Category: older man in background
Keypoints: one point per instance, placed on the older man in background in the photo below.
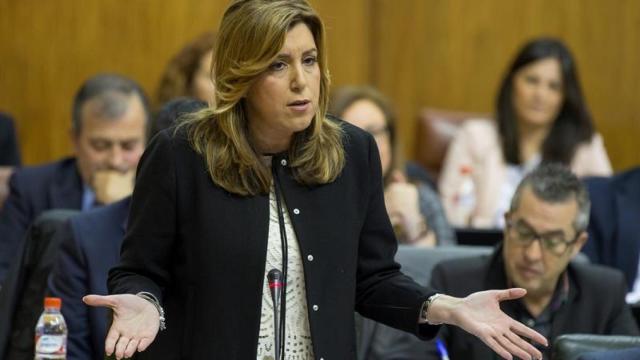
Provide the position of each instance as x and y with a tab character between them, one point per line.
90	247
546	227
109	132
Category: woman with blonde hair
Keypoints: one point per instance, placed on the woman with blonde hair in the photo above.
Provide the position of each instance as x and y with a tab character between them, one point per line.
265	183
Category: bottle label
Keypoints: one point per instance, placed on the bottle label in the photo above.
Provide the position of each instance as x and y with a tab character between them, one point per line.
51	344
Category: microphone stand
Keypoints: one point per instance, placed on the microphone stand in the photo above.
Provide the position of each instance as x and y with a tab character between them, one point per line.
275	286
280	330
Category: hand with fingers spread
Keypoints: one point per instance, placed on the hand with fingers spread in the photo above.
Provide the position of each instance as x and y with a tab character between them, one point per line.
480	314
135	323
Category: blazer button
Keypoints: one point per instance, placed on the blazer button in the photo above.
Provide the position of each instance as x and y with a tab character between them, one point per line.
315	308
310	257
283	162
296	211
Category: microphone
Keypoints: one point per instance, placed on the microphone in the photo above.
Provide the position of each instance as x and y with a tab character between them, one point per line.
275	286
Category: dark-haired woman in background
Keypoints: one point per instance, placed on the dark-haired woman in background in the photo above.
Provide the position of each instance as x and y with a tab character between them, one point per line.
541	116
414	208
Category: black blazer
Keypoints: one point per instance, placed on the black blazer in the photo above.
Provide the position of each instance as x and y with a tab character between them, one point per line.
9	151
90	247
202	251
614	227
33	190
595	303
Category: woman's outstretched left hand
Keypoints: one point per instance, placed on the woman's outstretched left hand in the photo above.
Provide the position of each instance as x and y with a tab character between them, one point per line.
479	314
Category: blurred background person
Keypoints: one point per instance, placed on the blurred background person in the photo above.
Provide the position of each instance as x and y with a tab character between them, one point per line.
90	247
541	116
109	131
413	206
188	74
614	227
9	154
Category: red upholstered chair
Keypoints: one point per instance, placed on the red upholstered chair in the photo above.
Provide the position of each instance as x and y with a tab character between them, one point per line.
436	128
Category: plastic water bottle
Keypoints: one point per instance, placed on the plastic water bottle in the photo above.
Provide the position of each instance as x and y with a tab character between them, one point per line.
51	332
465	198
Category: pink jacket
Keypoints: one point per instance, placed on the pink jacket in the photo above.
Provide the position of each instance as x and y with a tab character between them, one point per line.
477	145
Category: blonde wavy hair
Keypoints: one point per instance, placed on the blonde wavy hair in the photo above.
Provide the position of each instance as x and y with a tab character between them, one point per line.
251	34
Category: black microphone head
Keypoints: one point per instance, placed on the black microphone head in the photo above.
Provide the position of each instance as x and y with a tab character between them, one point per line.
274	275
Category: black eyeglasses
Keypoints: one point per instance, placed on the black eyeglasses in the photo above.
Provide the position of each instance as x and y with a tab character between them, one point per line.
553	242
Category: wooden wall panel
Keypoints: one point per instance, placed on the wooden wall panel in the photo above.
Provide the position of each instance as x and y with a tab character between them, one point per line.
48	48
452	54
348	26
448	54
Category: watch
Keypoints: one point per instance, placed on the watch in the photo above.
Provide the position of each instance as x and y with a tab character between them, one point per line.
425	308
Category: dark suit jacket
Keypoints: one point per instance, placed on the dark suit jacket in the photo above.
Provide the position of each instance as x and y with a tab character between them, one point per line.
33	190
614	228
202	251
595	303
91	246
9	151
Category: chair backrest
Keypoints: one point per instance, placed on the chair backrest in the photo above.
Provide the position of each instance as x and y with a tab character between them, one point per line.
482	237
435	130
418	262
572	346
377	341
26	284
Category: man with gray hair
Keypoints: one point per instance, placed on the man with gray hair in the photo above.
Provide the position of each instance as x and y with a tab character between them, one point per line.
545	228
109	131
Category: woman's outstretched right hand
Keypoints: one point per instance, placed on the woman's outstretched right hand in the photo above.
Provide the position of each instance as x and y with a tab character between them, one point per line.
135	323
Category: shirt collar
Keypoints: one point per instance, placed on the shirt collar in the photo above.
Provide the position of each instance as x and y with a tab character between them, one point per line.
88	198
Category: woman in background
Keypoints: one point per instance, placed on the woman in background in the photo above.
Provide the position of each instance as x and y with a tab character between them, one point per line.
541	116
414	207
188	74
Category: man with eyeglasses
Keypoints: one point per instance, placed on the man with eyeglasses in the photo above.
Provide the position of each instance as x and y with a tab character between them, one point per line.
546	228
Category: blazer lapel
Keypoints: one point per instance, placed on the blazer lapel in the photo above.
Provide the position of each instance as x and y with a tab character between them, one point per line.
561	318
496	279
124	210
